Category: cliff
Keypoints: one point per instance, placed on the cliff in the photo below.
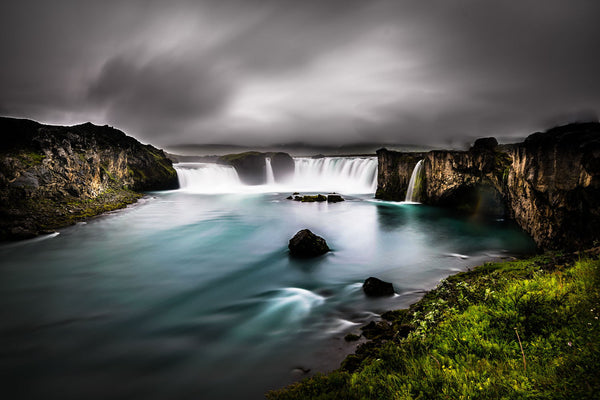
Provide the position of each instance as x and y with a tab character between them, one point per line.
251	166
549	184
52	176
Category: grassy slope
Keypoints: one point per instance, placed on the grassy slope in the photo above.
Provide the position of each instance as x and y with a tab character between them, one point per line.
525	329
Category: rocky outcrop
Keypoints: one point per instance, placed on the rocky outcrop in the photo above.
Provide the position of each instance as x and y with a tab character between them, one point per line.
549	184
283	166
393	173
374	287
52	176
306	244
251	166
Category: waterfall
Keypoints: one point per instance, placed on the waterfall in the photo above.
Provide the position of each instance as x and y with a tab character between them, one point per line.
414	185
269	169
342	174
207	178
349	175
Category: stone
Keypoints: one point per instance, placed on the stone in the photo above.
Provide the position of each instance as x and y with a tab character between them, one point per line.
289	198
306	244
334	198
374	287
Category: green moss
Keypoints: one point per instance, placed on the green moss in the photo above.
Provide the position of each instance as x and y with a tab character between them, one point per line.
513	330
30	159
233	157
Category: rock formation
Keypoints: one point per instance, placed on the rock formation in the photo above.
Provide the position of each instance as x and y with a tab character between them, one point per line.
374	287
52	176
251	166
306	244
549	184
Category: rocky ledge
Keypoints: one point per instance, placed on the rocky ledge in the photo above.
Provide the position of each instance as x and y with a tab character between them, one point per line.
53	176
549	184
251	166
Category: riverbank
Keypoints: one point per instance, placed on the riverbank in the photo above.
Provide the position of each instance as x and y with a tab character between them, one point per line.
518	329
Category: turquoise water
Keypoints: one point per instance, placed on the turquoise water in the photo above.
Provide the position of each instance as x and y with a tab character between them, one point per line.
194	296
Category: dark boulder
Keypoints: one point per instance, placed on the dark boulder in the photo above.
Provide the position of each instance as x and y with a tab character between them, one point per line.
374	287
306	244
334	198
283	166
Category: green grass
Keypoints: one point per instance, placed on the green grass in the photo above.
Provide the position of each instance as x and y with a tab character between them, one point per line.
526	329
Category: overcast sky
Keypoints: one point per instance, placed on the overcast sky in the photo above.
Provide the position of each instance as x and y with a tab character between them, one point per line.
323	72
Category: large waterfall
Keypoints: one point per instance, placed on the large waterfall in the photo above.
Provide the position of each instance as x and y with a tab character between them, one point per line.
414	185
351	175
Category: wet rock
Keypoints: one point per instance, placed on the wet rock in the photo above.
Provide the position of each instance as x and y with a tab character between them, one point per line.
312	199
306	244
374	287
377	330
289	198
334	198
351	337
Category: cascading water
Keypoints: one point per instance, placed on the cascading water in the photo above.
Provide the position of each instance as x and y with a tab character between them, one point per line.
207	178
350	175
342	174
414	185
270	175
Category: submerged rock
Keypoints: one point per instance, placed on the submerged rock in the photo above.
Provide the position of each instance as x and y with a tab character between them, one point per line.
374	287
306	244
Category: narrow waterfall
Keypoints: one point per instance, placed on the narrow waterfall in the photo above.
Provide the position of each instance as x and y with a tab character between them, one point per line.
414	185
349	175
269	169
207	178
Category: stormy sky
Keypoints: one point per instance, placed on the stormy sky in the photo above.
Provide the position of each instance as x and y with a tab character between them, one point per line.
323	72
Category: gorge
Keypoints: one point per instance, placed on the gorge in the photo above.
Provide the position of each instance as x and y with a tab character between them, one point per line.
158	299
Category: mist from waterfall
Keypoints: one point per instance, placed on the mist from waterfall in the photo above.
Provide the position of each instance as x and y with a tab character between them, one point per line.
350	175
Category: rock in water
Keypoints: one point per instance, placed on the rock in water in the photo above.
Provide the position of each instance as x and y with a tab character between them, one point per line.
306	244
374	287
334	198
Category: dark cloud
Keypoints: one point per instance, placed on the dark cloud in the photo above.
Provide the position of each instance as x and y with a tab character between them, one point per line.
276	71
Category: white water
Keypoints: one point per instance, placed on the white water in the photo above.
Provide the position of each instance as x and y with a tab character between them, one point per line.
350	175
207	177
270	175
414	178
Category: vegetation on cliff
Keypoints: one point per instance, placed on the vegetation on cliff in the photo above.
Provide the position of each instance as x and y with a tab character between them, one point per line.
513	330
52	176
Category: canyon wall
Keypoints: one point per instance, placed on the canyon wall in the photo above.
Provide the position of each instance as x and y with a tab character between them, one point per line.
549	184
52	176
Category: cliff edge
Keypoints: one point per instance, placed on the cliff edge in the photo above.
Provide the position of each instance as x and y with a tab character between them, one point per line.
549	184
53	176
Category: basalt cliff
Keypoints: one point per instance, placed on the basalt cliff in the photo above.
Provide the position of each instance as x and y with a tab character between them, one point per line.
549	184
53	176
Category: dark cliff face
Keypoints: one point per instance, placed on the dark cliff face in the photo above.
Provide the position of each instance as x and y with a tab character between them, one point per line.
51	176
393	173
251	166
549	184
